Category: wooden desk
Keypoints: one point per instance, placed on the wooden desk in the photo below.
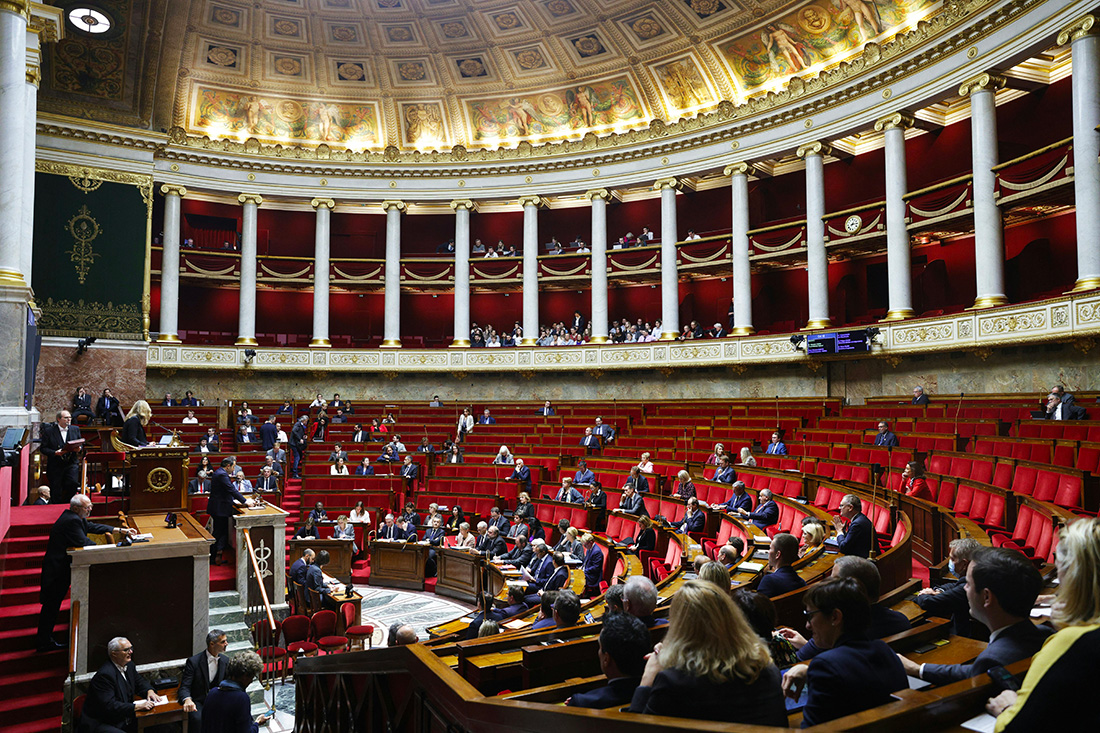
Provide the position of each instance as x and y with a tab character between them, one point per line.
397	564
170	712
339	554
459	573
957	650
339	599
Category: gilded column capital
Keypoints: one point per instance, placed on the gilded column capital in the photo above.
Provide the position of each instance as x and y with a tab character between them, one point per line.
984	82
663	183
526	201
1083	26
251	198
463	204
46	21
327	203
34	75
393	204
736	169
897	120
817	147
171	188
598	193
19	7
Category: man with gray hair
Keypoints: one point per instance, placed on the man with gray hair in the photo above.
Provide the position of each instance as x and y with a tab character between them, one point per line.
766	514
389	530
857	538
110	706
229	703
401	635
201	674
740	499
640	599
919	397
948	600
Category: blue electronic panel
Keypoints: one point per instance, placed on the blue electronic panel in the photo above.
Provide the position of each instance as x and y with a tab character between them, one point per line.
837	342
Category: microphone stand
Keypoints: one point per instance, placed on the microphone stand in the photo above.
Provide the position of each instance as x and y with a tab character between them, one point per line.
957	411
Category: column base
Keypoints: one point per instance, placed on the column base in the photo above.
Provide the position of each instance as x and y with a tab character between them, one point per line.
460	344
669	336
898	315
168	338
988	301
528	342
320	344
743	331
246	341
1086	283
12	278
818	323
391	344
598	340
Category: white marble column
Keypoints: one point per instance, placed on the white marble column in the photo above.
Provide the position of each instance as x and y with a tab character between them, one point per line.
13	156
462	209
170	265
670	281
898	255
33	77
1086	146
739	246
321	239
817	264
989	246
599	198
246	330
391	332
530	206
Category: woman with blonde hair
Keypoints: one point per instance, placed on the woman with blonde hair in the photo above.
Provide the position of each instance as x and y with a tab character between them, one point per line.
1063	673
719	451
645	465
133	429
711	665
685	488
715	572
504	456
524	507
813	534
747	458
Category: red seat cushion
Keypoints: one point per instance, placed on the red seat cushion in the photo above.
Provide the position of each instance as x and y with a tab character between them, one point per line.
360	630
326	641
301	647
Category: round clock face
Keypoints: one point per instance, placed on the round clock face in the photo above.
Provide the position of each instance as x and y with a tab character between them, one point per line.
853	224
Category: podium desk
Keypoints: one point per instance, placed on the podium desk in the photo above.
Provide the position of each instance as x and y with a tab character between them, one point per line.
339	554
460	573
170	712
266	526
397	564
155	593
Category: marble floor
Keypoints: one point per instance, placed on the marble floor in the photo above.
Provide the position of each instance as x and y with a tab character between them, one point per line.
381	607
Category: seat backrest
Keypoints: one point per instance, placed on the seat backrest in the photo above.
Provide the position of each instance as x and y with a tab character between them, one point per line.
1046	485
323	623
296	628
1069	492
963	499
347	610
263	635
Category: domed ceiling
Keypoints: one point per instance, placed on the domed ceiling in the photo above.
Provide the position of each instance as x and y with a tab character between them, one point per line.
433	74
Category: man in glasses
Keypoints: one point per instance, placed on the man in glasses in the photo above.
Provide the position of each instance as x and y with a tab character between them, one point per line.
110	705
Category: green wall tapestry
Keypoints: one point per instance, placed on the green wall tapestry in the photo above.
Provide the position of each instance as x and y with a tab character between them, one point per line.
89	252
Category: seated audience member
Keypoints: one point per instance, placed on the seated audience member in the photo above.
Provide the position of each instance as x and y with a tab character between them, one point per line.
919	397
307	530
318	513
516	604
631	501
715	572
522	475
338	452
636	481
583	476
401	635
202	673
364	468
644	464
854	673
425	446
813	535
388	455
1059	410
1002	586
777	447
569	541
495	546
714	458
1058	687
315	576
504	456
409	470
605	433
613	601
694	519
359	435
747	458
948	600
730	555
285	409
344	531
229	706
190	419
457	518
496	519
340	468
760	613
300	567
782	578
545	618
885	439
740	499
546	410
711	665
485	612
859	535
559	577
486	418
623	646
913	482
519	555
465	539
567	609
685	489
43	495
567	493
766	513
359	514
110	705
646	541
725	473
640	600
406	530
489	628
389	530
590	440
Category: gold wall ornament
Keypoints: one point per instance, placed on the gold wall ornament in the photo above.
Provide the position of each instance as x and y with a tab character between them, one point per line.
84	230
19	7
463	204
1083	26
985	82
80	318
159	480
598	193
736	169
327	203
394	204
902	120
250	198
817	147
85	183
169	188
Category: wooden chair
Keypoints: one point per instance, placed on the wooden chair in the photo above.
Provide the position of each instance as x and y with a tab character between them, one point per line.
357	633
322	631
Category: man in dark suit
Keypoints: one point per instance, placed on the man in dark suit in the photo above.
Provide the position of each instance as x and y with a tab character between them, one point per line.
519	555
201	674
298	444
1059	409
269	434
110	706
168	401
267	481
315	577
624	644
919	397
189	400
541	567
410	471
1001	587
606	433
783	578
43	496
495	546
62	464
300	567
766	513
559	577
1063	395
857	539
522	474
885	439
546	410
694	520
486	418
593	565
591	441
739	499
725	473
498	521
776	447
516	604
70	530
108	409
583	475
220	505
948	600
632	503
389	530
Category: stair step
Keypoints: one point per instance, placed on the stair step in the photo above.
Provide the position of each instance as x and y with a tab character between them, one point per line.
37	726
30	682
224	598
23	615
16	577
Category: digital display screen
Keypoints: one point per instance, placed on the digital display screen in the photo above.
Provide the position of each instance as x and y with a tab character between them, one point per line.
837	342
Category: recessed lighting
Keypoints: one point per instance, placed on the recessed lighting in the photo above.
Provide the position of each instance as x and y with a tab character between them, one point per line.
89	20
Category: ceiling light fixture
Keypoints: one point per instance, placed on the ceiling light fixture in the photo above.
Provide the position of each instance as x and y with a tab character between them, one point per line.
89	20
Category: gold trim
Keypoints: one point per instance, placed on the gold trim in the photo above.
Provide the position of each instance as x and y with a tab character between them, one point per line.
168	338
34	75
817	323
1077	30
985	82
662	183
598	340
899	315
170	188
242	341
47	22
327	203
988	301
12	277
19	7
460	344
463	204
1086	283
251	198
527	342
902	120
736	169
526	201
393	204
320	344
391	344
598	193
743	331
669	336
95	174
816	147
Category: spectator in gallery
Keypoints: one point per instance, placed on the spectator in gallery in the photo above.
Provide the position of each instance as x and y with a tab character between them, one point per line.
919	397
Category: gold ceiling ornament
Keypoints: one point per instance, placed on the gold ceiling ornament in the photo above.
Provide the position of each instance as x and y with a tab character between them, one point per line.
897	120
84	230
817	147
1083	26
85	183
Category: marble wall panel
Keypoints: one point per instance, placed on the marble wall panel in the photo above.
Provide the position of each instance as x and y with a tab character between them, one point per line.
61	372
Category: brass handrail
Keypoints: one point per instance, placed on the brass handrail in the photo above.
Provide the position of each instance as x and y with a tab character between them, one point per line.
259	577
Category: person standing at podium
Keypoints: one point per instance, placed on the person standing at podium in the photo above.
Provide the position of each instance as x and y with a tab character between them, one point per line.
133	429
220	506
62	465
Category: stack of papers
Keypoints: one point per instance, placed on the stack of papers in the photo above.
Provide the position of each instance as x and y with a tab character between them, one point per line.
751	567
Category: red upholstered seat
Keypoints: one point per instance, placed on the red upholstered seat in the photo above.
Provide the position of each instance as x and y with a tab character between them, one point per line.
356	632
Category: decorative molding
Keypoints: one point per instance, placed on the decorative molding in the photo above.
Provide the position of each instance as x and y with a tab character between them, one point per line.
19	7
394	204
598	193
169	188
897	120
463	204
251	198
327	203
986	82
737	169
1078	29
817	147
662	183
47	22
83	172
536	201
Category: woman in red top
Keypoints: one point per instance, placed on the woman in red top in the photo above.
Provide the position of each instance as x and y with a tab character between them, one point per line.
913	483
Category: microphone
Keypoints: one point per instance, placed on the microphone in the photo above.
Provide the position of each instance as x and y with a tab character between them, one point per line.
957	411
